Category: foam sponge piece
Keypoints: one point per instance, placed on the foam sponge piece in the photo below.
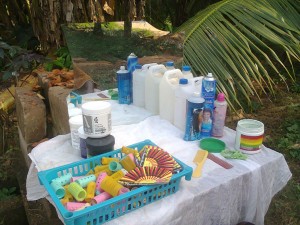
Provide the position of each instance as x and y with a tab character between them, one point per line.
58	189
77	191
90	191
64	179
114	166
75	206
100	178
83	182
107	160
111	186
101	198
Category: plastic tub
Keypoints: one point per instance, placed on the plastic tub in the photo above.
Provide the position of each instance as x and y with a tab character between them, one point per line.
249	136
75	122
110	209
96	118
97	146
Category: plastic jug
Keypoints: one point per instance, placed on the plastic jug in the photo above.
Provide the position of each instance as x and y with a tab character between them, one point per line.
146	66
152	81
186	71
185	90
167	87
170	65
138	86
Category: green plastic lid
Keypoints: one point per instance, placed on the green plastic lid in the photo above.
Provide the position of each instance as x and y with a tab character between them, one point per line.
212	145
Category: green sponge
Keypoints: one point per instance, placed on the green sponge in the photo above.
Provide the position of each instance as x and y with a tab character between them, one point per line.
233	154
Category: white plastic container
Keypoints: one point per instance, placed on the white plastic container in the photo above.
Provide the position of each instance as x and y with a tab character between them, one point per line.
96	118
75	122
170	65
138	86
187	73
152	81
220	108
148	65
167	87
249	136
82	142
182	93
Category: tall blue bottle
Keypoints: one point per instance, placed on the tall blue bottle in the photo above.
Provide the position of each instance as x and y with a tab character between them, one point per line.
132	60
208	93
124	80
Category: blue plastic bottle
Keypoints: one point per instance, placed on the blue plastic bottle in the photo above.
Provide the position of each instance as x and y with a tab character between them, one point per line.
132	60
124	80
208	93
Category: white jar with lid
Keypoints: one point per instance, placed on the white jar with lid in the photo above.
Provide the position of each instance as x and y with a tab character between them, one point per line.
75	122
96	119
249	136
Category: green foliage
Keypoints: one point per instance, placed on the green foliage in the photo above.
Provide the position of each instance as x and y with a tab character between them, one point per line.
290	142
63	60
6	193
241	43
15	60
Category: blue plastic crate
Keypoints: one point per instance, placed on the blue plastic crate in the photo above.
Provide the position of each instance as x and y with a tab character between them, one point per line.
114	207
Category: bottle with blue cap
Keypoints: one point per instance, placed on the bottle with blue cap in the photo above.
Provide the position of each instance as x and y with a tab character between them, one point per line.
138	86
186	71
170	65
124	80
182	93
208	93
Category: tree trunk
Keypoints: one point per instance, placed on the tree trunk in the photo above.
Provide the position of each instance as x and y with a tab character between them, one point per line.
4	17
129	12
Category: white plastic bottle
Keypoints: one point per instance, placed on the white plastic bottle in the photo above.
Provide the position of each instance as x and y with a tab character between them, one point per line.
170	65
220	108
182	93
186	71
167	87
138	86
152	81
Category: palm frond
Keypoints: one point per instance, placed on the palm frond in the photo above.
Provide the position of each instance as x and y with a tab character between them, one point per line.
239	40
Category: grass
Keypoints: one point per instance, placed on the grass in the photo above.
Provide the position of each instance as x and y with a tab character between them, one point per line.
285	206
82	42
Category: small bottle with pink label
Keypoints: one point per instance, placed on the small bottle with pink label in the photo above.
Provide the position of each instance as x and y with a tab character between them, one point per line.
220	108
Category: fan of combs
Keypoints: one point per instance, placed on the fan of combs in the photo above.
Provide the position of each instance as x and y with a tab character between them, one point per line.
146	176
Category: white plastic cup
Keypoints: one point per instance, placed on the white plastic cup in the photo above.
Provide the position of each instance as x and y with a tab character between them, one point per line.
75	122
249	136
96	119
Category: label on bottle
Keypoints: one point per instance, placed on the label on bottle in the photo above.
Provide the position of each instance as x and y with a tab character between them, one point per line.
219	120
208	89
124	88
193	121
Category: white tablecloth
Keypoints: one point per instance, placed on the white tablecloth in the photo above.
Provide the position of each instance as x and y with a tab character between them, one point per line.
220	196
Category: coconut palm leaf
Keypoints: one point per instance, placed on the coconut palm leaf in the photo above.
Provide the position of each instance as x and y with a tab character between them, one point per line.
239	42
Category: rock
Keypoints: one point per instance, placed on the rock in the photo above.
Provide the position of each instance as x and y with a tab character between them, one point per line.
59	110
31	115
